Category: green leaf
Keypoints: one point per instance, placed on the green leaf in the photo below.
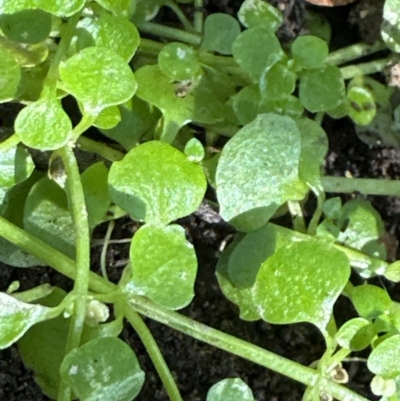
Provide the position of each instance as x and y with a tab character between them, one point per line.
384	359
318	25
246	103
314	147
164	265
106	363
255	50
194	150
108	118
156	183
362	108
289	106
392	272
98	78
277	82
61	9
28	26
309	51
44	124
370	301
46	216
10	71
137	117
16	317
253	178
146	10
31	83
390	30
111	32
362	228
321	89
220	31
254	13
230	389
178	61
332	207
120	8
356	334
97	198
293	287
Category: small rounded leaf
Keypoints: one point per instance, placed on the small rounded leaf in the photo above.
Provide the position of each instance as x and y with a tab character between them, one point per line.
296	283
384	359
105	364
220	31
277	82
56	7
230	389
156	183
370	301
178	61
259	13
356	334
194	150
362	108
10	72
164	265
98	78
310	51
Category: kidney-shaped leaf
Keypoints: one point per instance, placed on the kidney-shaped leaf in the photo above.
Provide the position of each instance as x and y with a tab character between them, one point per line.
384	359
98	77
258	171
106	365
356	334
230	390
259	13
164	265
156	183
16	317
300	283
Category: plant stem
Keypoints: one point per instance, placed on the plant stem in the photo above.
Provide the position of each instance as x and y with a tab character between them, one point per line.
170	33
178	12
354	52
366	186
241	348
154	352
86	122
198	15
81	283
9	143
357	70
100	148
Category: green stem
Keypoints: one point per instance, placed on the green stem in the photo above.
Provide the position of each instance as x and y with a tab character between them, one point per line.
100	148
354	52
241	348
312	226
86	122
198	15
170	33
178	12
296	213
152	349
9	143
371	67
81	283
366	186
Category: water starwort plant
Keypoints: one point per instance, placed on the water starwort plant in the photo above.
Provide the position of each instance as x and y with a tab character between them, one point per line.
151	98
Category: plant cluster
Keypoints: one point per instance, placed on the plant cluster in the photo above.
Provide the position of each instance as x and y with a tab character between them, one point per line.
151	99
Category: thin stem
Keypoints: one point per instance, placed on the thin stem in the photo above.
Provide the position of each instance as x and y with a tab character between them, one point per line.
155	354
100	148
178	12
312	226
242	348
106	242
371	67
198	15
86	122
9	143
169	33
366	186
296	212
354	52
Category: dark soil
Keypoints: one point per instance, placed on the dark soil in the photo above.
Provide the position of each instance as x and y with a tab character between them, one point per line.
198	366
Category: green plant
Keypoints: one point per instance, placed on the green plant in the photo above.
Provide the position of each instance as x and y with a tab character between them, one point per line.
269	165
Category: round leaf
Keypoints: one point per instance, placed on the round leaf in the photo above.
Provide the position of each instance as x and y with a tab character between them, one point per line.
384	359
194	150
105	364
356	334
61	9
297	284
277	82
230	389
10	72
16	317
370	301
259	13
362	108
120	8
321	89
156	183
28	26
164	265
44	124
255	50
220	31
98	78
310	51
253	177
178	61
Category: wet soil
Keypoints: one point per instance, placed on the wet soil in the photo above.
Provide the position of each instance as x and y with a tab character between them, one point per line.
198	366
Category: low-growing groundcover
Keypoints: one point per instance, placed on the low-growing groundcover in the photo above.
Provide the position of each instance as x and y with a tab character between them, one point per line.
203	124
